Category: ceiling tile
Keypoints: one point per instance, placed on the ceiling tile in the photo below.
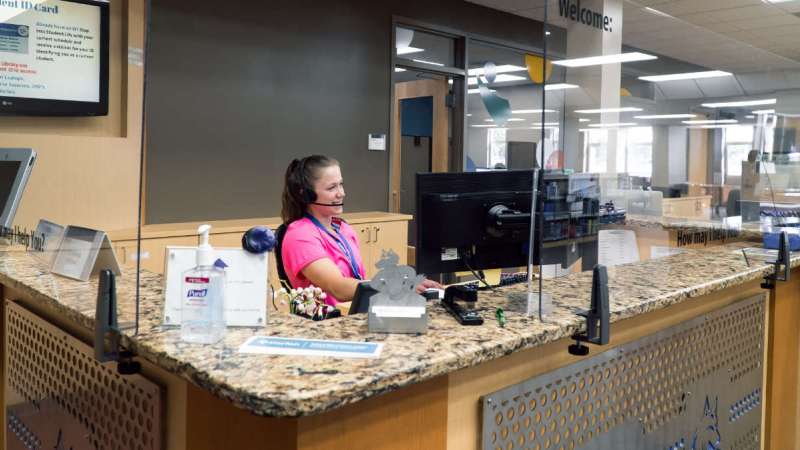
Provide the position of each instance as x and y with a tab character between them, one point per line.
719	87
767	22
684	7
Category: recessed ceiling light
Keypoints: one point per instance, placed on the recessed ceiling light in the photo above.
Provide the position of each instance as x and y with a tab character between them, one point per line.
764	111
749	117
612	125
547	33
687	76
666	116
559	86
531	111
433	63
407	50
503	68
605	59
583	120
500	78
399	69
769	101
707	122
608	110
469	115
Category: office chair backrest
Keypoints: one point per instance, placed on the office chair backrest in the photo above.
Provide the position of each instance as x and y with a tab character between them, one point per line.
279	233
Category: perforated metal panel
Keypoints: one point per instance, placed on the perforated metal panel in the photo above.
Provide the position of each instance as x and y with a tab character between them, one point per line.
696	385
58	396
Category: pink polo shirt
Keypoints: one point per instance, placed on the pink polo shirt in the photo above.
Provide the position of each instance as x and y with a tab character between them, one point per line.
304	243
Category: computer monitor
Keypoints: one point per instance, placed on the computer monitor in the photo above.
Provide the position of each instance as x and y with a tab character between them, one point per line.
481	220
15	168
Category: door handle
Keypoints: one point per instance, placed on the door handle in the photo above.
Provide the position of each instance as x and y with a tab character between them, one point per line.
368	233
376	233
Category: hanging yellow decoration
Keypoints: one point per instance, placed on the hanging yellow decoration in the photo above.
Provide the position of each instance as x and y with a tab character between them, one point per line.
534	65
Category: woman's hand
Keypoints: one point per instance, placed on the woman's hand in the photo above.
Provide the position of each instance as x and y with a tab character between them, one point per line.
428	284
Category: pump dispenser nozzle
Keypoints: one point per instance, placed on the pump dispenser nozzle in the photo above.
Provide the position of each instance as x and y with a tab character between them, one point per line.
205	253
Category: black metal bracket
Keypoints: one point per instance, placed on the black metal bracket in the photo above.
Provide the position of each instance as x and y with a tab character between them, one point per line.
782	263
597	318
106	327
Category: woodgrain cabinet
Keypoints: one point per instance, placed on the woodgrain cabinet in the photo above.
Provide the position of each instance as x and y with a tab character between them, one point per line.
376	238
698	207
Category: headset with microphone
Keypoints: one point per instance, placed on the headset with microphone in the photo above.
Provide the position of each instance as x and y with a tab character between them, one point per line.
308	196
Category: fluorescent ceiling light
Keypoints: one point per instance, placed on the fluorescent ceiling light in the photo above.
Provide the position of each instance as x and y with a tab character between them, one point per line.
666	116
483	126
605	59
749	117
546	124
559	86
531	111
513	119
687	76
613	125
503	68
707	122
583	120
769	101
656	12
501	78
407	50
478	91
608	110
433	63
469	115
399	69
764	111
547	33
778	1
719	126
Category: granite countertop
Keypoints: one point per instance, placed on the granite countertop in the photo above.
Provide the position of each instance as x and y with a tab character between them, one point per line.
734	225
294	386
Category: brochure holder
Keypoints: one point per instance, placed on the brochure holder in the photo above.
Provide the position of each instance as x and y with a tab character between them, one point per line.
83	253
48	234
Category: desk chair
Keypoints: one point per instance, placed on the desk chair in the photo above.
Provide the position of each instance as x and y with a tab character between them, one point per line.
279	233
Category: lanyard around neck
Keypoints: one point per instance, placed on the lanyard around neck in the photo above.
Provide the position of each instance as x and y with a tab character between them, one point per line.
341	240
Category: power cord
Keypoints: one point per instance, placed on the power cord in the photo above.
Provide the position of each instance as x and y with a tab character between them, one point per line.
475	274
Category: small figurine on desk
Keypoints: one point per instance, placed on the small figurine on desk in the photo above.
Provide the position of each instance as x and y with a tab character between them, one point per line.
396	308
393	281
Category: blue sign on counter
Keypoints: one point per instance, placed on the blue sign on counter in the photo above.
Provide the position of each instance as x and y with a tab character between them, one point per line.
270	345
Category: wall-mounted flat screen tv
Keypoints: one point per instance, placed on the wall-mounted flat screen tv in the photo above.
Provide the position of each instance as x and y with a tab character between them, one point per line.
54	57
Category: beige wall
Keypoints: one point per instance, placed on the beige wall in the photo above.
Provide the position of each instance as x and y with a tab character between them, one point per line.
87	172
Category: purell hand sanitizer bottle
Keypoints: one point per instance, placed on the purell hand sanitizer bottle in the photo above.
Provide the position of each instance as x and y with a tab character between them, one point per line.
203	308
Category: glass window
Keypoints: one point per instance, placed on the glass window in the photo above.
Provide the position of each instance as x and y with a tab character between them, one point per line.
738	141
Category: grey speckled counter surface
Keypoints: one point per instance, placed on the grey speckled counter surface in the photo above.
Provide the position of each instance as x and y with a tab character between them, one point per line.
293	386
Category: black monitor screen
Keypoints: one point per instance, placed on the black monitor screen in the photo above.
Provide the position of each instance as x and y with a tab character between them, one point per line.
8	174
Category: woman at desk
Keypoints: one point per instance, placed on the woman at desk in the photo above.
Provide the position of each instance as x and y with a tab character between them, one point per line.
318	247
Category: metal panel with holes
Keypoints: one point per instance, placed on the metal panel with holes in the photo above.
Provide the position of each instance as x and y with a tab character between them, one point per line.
59	397
696	385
